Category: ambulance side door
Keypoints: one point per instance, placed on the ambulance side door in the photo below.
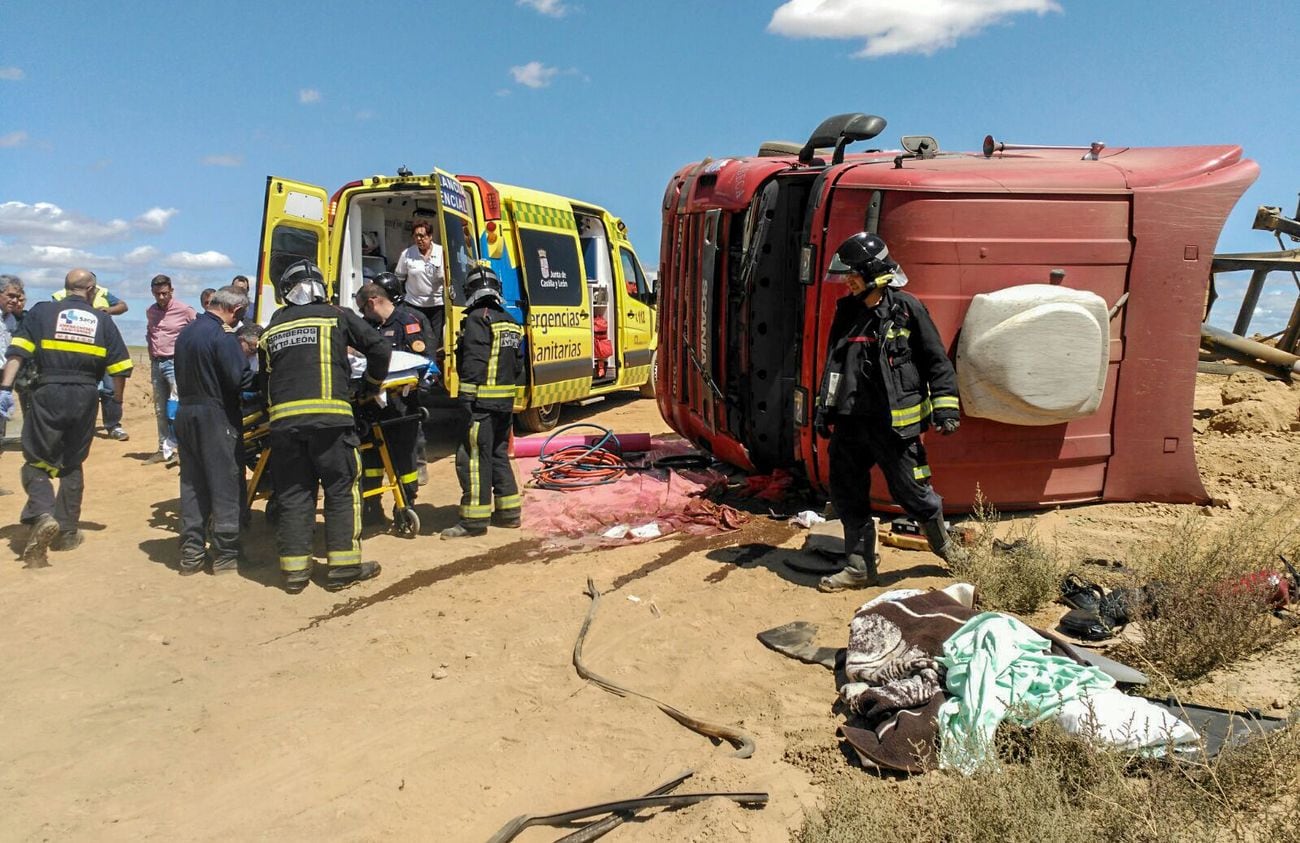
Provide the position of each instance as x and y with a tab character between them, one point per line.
636	318
294	227
559	307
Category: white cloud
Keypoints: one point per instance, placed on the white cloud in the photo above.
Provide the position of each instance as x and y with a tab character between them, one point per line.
13	139
201	260
892	27
223	160
140	255
46	222
534	74
550	8
308	96
12	74
21	255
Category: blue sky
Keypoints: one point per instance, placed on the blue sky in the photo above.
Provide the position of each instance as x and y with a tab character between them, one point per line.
136	139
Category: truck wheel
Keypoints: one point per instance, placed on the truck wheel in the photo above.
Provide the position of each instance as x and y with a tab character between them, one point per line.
648	388
539	419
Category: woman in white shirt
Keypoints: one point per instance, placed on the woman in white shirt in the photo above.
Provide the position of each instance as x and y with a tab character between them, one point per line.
421	269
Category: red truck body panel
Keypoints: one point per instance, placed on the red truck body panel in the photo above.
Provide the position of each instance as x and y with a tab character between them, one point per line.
1138	221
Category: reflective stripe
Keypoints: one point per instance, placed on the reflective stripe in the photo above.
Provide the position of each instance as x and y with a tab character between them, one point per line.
41	465
74	347
504	502
374	472
494	359
945	402
309	406
122	366
921	472
476	511
24	344
899	332
338	558
410	478
474	469
294	563
910	415
504	391
468	388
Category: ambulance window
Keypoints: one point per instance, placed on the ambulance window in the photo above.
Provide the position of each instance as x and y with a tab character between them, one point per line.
551	268
637	287
288	245
460	251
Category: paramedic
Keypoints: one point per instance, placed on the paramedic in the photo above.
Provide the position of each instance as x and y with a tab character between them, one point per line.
887	377
421	269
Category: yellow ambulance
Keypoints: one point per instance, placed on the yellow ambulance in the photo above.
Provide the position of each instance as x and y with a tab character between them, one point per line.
568	270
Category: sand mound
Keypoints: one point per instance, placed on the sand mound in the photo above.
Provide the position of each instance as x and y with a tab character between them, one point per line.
1254	404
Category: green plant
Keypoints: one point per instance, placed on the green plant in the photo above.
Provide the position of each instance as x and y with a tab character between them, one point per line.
1018	573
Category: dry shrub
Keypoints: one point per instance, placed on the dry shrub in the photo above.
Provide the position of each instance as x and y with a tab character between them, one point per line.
1062	790
1018	574
1209	603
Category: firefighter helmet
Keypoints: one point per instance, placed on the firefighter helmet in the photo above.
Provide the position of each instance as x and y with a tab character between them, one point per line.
392	285
482	283
302	283
865	254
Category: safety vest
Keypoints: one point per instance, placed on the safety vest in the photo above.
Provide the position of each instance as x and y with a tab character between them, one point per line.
100	301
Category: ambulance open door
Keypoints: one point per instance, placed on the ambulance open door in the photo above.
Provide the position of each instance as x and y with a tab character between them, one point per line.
636	320
294	226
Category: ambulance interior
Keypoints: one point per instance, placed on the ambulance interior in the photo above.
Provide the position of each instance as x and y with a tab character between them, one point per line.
378	229
603	297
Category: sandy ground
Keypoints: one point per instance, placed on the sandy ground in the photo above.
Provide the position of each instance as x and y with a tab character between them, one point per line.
439	700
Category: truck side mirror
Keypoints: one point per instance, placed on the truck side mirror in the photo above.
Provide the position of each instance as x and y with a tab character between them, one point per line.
840	130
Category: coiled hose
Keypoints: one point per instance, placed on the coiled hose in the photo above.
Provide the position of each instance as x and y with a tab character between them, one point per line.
579	466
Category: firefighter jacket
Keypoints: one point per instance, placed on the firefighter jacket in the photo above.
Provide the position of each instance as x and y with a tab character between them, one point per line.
70	342
408	330
304	355
888	363
490	358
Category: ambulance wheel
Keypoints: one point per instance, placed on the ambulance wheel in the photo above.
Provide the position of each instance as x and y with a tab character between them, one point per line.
648	388
407	522
540	419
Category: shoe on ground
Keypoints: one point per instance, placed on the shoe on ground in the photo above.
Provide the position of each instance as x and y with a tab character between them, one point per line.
119	433
342	576
295	581
460	531
172	461
845	580
68	540
422	476
225	566
189	567
44	529
155	458
509	522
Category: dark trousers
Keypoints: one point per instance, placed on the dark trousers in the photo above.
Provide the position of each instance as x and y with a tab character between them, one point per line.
857	444
483	468
401	438
437	316
110	407
212	481
58	428
302	462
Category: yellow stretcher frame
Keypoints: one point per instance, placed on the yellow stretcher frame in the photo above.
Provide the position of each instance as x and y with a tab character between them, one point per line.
406	521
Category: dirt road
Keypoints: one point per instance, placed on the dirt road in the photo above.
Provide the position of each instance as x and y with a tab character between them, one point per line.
435	702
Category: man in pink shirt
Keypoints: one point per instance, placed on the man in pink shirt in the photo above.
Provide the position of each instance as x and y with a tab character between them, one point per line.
163	323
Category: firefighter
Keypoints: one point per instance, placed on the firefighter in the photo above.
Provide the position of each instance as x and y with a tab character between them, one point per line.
404	330
396	288
74	346
887	377
489	361
313	438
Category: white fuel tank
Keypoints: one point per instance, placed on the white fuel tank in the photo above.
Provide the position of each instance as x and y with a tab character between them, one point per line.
1033	355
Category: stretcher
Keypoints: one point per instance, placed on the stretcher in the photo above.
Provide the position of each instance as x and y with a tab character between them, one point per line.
370	428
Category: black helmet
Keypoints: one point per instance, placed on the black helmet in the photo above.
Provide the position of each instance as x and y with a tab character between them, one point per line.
865	254
392	285
296	274
482	283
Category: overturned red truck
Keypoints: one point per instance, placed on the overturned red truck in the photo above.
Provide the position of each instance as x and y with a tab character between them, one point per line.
1070	282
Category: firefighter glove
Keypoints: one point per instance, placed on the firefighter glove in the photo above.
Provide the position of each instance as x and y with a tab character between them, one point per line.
823	423
949	426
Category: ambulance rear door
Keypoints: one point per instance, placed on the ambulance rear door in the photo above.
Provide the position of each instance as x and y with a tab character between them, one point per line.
459	239
294	227
559	309
636	319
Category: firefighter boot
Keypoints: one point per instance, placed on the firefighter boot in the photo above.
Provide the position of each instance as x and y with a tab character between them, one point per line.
44	530
859	560
942	544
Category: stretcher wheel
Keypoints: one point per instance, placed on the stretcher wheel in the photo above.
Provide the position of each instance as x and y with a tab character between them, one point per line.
407	522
